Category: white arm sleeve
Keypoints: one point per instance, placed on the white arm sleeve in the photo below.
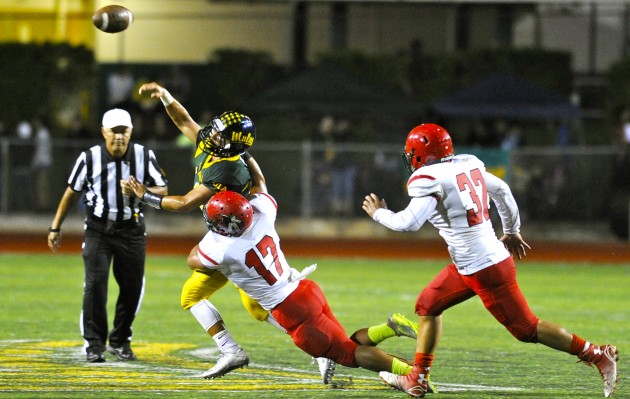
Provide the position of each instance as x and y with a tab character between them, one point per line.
409	219
506	204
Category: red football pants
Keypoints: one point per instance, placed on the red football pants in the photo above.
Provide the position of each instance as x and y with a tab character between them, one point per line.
308	319
497	288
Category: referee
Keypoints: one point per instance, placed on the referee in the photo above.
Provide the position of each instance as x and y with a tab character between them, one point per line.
114	229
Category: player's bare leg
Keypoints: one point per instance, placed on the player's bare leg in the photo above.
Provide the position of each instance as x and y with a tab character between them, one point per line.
603	357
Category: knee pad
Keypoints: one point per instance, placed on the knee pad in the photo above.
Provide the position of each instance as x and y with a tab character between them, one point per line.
206	314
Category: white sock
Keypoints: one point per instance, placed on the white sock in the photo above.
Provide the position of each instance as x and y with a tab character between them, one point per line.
225	342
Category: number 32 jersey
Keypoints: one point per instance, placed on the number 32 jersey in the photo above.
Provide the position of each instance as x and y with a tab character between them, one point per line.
455	196
254	261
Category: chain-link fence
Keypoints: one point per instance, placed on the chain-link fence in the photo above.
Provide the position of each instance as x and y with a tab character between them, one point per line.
311	180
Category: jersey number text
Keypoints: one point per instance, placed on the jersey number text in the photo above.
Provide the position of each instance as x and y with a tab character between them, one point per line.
266	246
471	188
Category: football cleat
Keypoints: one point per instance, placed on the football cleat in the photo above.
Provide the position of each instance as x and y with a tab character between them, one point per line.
123	353
402	326
226	363
415	387
326	368
605	359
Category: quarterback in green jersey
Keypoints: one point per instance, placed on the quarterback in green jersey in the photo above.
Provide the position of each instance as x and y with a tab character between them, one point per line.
221	163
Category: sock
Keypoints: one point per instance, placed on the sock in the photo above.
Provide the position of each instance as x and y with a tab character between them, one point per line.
400	368
380	333
422	360
578	345
225	342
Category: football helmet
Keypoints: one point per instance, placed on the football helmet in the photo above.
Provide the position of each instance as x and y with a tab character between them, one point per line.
228	213
427	144
227	135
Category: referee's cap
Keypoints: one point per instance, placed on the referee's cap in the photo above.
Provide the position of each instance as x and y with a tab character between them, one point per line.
116	117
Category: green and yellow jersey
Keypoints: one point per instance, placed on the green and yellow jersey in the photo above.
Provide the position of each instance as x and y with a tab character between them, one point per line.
221	174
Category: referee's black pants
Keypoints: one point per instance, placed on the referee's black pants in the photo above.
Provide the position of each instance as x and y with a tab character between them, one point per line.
127	247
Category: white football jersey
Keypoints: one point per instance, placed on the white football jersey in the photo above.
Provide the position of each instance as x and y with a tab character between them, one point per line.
455	197
253	261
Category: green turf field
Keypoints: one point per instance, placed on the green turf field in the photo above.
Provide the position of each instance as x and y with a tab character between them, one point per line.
40	342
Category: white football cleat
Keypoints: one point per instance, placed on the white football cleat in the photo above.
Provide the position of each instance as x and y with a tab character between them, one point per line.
326	368
226	363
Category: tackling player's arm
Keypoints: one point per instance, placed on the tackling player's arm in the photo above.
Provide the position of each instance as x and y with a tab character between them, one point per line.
193	261
178	114
69	199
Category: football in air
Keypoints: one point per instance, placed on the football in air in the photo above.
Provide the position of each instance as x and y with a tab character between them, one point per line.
112	19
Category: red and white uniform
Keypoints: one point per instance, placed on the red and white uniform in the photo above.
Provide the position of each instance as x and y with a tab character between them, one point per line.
253	261
455	197
256	264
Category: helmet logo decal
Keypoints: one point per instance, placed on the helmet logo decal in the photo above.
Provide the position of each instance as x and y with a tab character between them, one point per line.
238	137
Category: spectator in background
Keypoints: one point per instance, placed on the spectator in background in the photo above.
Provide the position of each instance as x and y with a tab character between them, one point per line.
21	154
512	137
78	130
41	162
178	83
336	172
344	170
620	187
120	85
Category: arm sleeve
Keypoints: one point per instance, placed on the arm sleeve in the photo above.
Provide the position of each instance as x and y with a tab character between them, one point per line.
506	205
409	219
210	254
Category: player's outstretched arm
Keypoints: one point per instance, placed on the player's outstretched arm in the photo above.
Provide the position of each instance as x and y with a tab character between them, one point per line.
178	114
193	261
174	203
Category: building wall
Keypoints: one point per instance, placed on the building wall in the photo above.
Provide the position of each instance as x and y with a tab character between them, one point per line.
189	31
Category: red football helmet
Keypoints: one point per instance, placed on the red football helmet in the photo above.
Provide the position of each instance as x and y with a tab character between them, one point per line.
426	144
228	213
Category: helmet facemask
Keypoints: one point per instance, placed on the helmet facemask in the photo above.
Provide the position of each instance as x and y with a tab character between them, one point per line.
406	158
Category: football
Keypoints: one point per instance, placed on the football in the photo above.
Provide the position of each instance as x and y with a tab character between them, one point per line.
112	18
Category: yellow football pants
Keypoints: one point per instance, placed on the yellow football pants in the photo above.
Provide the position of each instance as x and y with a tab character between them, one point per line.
202	284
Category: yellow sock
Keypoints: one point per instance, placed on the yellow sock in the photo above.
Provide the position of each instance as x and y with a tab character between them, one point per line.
401	368
380	333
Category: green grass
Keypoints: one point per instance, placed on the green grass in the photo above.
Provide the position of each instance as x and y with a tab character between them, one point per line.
40	341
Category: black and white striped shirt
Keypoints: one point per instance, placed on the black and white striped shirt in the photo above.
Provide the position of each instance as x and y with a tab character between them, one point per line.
98	174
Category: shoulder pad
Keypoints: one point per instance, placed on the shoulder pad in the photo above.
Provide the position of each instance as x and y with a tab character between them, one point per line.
423	185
